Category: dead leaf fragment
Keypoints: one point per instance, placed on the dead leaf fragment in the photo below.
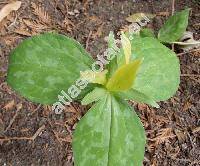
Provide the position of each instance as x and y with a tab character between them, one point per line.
180	135
19	106
7	9
137	17
196	130
41	13
187	42
165	14
99	32
9	105
23	32
1	126
142	107
36	27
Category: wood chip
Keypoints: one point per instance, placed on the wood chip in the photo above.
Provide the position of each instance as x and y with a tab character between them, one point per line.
7	9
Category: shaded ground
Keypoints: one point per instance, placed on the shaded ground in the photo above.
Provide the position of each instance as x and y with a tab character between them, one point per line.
31	135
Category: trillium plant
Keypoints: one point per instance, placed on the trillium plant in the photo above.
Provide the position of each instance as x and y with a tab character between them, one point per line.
143	70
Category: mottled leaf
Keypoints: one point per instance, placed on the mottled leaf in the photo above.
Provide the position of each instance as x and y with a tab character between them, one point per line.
146	33
44	65
159	74
174	27
137	96
95	95
110	134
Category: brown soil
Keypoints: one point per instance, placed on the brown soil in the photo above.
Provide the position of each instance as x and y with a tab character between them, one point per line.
31	134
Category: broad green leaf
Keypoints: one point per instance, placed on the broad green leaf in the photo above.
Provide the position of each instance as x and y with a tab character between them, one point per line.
85	91
95	95
112	67
126	45
137	96
44	65
174	27
110	134
159	74
124	77
146	33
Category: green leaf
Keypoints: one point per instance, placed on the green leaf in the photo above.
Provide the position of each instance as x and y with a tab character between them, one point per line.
95	95
113	51
124	77
110	134
146	32
111	40
44	65
159	74
174	27
137	96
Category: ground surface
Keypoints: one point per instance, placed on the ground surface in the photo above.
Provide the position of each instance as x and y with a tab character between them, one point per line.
31	135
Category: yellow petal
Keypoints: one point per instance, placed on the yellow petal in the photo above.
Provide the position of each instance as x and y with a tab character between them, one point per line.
124	77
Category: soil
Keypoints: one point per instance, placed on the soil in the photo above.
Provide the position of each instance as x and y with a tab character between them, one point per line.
30	134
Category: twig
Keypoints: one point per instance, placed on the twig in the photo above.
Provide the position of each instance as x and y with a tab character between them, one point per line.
66	139
25	138
3	2
196	130
190	75
173	9
173	6
38	132
12	120
194	162
183	53
185	160
194	79
188	134
88	39
74	107
55	134
37	108
163	138
13	23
